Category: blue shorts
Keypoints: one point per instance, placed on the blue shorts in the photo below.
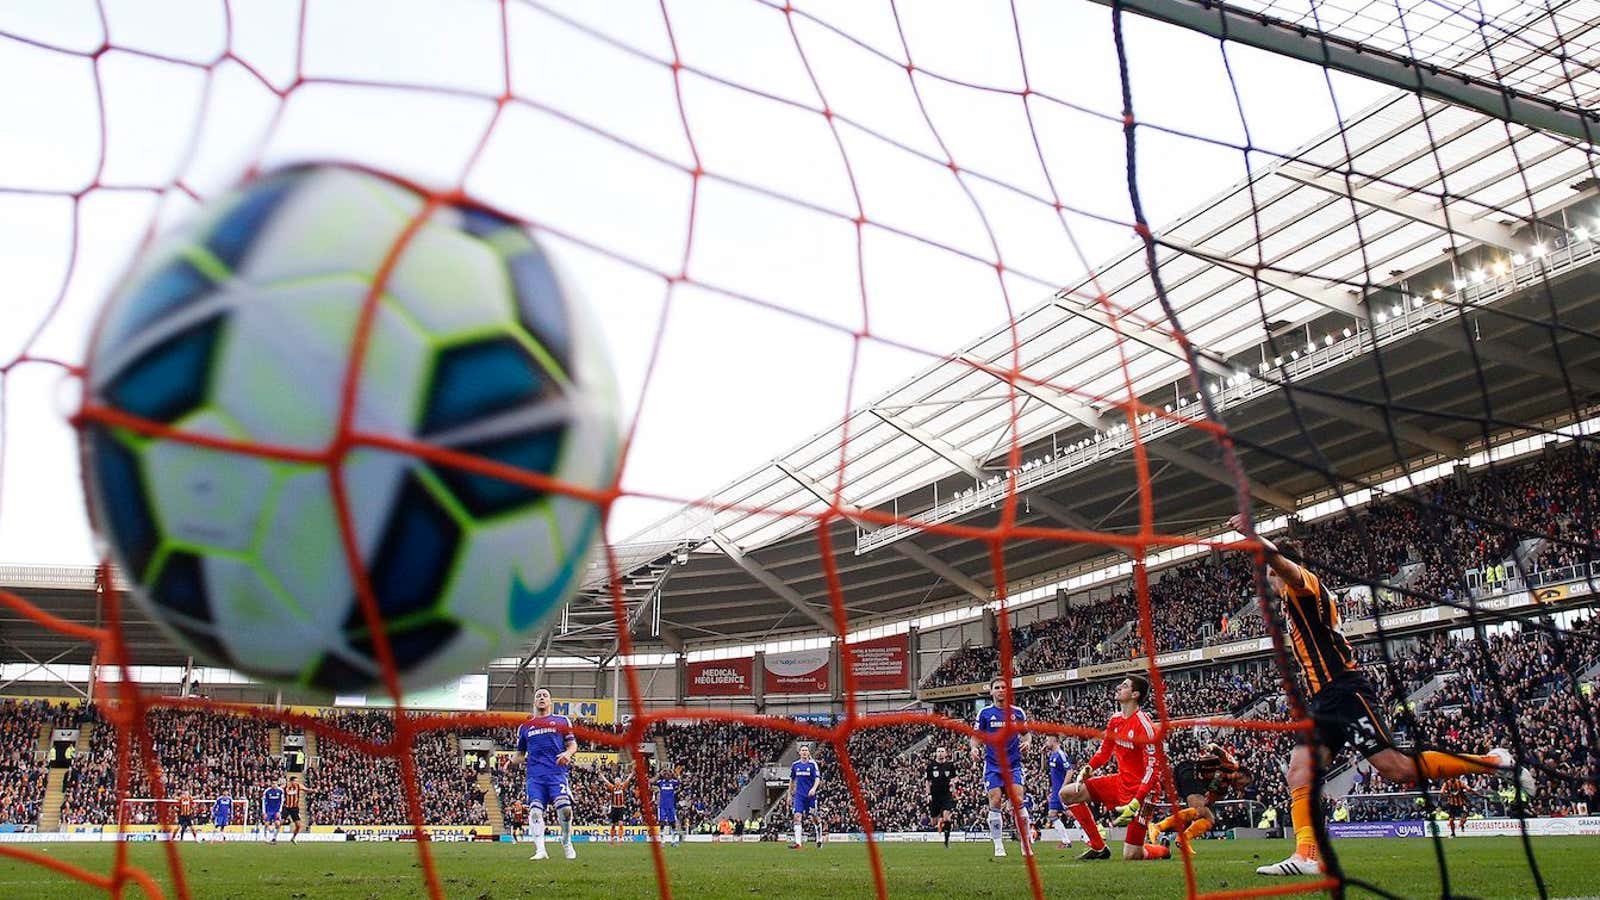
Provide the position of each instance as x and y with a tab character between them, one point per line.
804	803
273	814
993	779
220	821
1054	804
554	794
667	816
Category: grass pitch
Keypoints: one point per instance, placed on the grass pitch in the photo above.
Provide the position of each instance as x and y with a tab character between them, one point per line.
1479	867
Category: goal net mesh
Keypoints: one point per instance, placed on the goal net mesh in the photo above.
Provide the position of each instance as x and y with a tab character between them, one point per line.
838	193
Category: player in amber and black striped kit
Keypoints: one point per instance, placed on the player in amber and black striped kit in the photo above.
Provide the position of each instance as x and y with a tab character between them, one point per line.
1201	782
1343	707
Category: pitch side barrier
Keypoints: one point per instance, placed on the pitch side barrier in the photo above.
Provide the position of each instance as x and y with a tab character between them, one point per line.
1497	827
1555	596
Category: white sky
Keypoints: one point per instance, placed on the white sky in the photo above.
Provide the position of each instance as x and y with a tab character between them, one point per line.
736	383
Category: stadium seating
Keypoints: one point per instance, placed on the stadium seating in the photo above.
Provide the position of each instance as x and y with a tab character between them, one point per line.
206	752
1524	674
351	788
22	774
1197	603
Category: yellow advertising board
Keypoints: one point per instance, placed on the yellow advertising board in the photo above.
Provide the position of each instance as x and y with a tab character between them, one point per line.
600	711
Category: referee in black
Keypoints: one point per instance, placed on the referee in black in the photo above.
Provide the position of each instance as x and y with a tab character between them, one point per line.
941	803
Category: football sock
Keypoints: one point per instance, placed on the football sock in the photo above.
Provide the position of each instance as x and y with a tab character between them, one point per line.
1025	834
564	816
1200	827
946	829
799	831
1305	834
1436	766
1080	811
994	826
1177	820
536	830
1156	851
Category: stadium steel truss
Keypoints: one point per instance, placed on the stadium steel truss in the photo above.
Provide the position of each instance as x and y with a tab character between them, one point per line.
1400	292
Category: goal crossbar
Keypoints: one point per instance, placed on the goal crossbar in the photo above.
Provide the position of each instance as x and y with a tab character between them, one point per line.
1263	32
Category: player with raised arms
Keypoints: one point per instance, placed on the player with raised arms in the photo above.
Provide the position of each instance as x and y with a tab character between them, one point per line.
222	814
1201	782
619	805
546	743
1058	767
1130	738
1343	707
186	810
291	805
1006	778
667	786
272	810
941	800
805	779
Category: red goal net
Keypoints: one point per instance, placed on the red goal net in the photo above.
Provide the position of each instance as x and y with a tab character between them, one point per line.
1321	264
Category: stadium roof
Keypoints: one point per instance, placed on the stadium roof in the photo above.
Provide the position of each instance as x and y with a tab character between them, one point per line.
1429	196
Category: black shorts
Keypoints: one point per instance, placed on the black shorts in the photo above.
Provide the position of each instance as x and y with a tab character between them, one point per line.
1456	810
185	821
291	814
939	804
1187	778
1346	711
619	814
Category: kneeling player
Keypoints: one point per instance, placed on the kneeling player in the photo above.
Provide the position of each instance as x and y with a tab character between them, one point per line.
804	781
547	744
1130	736
941	800
1008	779
1200	783
272	810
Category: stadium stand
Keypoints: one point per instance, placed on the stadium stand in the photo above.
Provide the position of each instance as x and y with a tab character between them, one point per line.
22	774
1206	601
351	788
206	752
1196	604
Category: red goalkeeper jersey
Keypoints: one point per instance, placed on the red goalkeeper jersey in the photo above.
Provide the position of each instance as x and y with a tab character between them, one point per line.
1131	740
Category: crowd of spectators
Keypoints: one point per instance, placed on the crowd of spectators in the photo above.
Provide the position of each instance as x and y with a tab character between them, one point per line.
207	753
22	772
349	787
1413	550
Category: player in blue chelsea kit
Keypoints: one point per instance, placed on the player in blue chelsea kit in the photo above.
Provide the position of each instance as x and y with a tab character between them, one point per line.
804	781
272	809
1009	778
1059	767
221	813
547	743
667	807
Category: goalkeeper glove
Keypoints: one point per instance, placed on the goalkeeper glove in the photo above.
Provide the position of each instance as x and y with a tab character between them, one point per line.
1125	814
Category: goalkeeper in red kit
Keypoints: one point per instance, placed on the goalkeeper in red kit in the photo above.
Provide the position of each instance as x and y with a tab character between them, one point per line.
1130	738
